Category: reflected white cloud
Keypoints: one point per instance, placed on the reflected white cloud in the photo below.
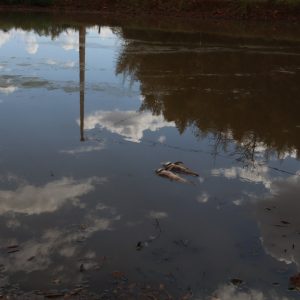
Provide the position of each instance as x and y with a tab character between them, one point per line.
278	219
30	199
106	32
69	64
70	40
261	149
37	254
8	89
29	38
84	149
203	198
230	292
291	154
259	174
53	62
31	44
158	215
162	139
4	37
129	124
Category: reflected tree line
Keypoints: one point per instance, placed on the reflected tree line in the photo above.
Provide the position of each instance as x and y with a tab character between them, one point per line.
247	95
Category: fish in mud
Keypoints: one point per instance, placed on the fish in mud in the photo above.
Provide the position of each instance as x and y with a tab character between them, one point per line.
168	174
179	167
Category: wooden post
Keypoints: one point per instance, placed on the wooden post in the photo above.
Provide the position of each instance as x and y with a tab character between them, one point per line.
82	33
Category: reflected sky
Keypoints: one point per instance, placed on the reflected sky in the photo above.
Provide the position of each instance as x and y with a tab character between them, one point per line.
128	124
87	115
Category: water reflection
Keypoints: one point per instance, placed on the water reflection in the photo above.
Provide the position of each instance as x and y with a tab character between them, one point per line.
129	124
279	221
31	45
206	101
225	91
29	199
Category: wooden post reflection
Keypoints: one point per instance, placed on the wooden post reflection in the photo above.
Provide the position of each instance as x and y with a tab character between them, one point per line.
82	33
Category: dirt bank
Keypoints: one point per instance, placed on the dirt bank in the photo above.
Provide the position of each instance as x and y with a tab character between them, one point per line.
197	9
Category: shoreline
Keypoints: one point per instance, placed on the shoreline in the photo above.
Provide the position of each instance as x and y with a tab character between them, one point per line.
260	32
216	10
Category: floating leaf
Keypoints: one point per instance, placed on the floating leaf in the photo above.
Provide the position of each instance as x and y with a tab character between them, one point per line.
118	274
236	281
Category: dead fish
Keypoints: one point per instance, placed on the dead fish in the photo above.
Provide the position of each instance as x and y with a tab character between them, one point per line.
168	174
179	167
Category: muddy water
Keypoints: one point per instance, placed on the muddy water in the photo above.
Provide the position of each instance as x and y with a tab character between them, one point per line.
88	113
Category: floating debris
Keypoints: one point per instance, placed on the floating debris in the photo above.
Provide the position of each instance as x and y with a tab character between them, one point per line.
295	281
13	246
76	291
168	174
13	251
139	246
236	281
54	295
179	167
31	258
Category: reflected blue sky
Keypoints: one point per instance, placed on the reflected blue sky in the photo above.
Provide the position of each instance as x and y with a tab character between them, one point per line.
66	202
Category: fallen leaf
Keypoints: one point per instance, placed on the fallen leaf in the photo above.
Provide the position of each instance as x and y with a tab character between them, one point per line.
295	280
118	274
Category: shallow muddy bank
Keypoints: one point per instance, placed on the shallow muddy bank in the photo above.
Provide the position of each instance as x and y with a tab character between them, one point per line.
197	9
